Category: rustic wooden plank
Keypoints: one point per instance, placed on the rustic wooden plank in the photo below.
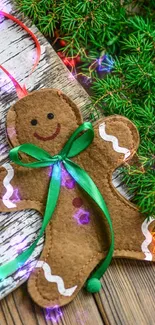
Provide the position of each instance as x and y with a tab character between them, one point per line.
127	294
19	309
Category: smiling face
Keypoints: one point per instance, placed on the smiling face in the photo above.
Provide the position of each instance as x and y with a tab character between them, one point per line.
55	133
45	118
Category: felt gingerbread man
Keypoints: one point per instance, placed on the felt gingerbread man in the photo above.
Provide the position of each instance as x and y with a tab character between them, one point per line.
77	238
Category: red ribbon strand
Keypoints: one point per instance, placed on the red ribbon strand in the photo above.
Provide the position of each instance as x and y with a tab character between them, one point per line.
22	91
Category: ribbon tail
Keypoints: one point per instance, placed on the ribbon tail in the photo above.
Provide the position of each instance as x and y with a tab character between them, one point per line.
53	195
85	181
21	92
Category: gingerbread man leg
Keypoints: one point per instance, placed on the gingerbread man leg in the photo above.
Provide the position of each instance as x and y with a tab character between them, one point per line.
73	247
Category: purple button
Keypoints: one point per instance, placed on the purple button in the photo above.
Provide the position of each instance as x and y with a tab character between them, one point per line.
77	202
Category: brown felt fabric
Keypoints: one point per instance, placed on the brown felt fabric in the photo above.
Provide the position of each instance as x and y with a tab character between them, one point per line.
72	250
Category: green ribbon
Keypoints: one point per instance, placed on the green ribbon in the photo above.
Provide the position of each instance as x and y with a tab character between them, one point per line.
81	138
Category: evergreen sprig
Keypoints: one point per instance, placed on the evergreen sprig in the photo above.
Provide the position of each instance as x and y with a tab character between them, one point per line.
126	31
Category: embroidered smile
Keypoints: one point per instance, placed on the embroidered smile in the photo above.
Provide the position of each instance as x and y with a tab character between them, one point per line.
51	137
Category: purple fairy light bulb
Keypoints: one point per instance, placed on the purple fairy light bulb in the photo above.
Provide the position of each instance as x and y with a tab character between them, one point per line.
82	216
53	314
105	63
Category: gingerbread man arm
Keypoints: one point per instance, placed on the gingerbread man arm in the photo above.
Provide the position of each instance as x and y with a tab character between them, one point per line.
116	141
18	190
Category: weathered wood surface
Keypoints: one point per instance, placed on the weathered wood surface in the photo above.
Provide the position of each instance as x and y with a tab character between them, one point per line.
128	295
18	309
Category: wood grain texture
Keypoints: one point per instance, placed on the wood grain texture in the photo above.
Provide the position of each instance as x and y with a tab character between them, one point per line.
19	309
127	295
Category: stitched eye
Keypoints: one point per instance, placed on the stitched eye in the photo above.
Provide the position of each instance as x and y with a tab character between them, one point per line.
34	122
50	116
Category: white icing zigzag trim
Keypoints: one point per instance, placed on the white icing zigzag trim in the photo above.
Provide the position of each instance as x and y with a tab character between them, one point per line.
8	186
114	140
148	240
55	279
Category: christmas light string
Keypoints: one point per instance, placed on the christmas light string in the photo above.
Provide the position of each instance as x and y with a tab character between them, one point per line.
105	63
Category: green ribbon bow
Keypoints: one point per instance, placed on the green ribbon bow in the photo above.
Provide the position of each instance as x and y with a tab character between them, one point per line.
81	138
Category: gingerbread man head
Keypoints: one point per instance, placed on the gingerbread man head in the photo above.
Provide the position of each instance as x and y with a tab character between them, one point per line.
77	237
45	118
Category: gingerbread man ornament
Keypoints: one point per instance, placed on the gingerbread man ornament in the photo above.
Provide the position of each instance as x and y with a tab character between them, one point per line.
77	238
